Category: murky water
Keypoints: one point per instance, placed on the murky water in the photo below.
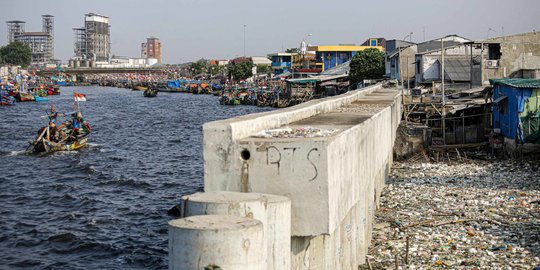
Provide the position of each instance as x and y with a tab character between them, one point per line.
105	206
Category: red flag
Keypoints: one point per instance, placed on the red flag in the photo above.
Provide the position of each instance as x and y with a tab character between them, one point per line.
79	97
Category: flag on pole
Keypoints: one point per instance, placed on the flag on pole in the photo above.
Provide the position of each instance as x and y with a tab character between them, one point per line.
79	96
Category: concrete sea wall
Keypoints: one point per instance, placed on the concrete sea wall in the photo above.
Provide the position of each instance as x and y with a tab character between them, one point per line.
333	181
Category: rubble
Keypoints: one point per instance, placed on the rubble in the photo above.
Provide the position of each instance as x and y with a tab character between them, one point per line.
300	132
459	215
362	108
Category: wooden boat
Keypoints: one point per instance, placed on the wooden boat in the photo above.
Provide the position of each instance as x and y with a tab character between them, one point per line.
7	101
67	137
140	88
47	146
40	99
25	97
53	91
150	93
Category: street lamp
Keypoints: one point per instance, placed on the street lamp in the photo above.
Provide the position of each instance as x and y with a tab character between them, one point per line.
245	41
303	49
407	65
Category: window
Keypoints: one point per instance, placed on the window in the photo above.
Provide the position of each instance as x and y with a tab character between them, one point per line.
494	51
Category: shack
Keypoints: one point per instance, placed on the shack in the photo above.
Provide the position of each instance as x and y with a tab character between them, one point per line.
516	110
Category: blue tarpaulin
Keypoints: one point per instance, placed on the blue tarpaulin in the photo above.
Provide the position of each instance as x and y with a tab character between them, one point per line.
173	84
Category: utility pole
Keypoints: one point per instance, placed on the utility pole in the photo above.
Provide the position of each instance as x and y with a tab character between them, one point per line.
443	96
245	41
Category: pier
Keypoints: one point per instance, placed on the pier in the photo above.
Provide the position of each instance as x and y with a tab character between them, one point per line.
330	157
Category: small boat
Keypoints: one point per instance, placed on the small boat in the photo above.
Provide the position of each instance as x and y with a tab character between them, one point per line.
53	91
69	136
150	92
7	100
140	88
25	97
40	99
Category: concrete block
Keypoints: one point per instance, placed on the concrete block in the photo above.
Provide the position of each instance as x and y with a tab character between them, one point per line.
226	241
344	249
324	177
272	210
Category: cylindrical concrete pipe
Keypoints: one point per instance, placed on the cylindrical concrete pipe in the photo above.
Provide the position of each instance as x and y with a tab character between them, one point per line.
272	210
227	242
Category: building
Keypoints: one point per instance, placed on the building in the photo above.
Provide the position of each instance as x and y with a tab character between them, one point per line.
331	56
144	50
41	43
457	61
151	49
507	56
93	41
282	62
516	110
397	50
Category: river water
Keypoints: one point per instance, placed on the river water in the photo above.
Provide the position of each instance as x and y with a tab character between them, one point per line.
105	206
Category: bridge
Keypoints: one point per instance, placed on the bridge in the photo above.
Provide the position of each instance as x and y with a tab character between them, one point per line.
298	186
76	71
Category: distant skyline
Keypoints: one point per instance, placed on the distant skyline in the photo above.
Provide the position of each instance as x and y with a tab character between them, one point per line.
213	29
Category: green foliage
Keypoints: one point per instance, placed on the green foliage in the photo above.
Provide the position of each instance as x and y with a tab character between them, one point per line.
366	65
263	69
241	71
199	66
292	50
16	53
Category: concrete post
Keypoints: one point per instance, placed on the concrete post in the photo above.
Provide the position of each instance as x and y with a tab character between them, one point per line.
213	240
272	210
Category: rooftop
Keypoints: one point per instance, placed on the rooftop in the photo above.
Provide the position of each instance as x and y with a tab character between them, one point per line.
342	48
516	83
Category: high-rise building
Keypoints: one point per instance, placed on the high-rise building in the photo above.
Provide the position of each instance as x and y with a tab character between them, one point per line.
93	41
41	43
144	50
151	49
15	28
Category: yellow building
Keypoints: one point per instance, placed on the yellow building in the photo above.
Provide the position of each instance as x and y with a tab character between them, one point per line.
334	55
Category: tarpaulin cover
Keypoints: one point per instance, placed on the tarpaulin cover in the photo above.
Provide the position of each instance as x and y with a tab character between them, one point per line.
173	84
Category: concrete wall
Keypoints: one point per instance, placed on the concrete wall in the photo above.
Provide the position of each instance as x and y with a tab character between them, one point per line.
333	182
220	152
517	52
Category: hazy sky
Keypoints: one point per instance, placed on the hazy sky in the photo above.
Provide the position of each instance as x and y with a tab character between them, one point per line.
214	29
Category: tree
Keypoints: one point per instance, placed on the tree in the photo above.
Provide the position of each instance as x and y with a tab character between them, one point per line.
199	66
292	50
366	65
263	69
16	53
241	71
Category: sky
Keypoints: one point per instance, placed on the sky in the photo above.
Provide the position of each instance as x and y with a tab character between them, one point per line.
214	29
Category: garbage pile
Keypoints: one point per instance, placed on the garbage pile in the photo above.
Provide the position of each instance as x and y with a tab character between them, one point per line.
362	108
474	215
300	132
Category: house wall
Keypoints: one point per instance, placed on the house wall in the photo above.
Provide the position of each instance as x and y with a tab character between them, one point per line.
430	69
396	69
517	52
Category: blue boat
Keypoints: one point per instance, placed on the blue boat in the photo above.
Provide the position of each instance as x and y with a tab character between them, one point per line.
40	99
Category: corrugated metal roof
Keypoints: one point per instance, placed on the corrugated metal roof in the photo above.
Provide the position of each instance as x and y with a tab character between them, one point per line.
434	46
517	83
458	69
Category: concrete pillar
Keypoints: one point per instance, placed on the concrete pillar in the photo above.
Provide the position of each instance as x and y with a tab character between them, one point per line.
272	210
214	240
